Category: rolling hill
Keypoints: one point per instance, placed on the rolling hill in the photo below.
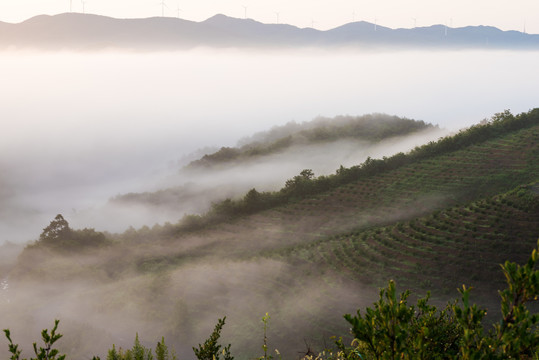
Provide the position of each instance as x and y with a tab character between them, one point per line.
371	128
445	213
326	142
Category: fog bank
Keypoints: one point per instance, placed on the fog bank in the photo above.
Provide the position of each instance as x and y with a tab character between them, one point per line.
78	129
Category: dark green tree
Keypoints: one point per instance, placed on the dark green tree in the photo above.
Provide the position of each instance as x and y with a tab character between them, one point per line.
301	184
60	236
252	201
57	231
395	330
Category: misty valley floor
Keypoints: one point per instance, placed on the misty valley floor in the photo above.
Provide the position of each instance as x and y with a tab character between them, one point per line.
431	224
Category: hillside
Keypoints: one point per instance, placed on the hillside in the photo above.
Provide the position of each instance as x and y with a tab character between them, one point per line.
480	161
445	213
92	32
371	128
440	251
267	159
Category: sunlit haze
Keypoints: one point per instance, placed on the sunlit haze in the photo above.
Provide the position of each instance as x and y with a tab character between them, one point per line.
159	174
81	128
517	15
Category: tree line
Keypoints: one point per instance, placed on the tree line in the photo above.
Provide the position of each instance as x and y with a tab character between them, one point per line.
307	184
371	128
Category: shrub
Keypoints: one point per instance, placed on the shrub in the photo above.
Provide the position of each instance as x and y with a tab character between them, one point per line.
44	353
395	330
211	350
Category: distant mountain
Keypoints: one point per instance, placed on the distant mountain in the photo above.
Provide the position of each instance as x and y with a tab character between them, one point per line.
89	32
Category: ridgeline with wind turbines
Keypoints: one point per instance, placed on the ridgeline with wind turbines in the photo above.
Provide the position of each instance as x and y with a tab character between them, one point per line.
84	32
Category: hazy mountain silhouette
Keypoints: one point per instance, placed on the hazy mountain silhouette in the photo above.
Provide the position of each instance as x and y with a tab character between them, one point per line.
86	31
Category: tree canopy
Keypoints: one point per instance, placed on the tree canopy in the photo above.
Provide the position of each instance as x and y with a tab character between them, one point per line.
60	236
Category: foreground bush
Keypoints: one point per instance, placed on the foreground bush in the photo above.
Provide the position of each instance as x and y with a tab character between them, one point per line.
395	330
44	353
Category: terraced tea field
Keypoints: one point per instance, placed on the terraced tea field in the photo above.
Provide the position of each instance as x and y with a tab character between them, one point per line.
459	177
460	245
477	172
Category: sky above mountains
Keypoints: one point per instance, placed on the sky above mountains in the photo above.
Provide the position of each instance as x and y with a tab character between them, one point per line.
520	15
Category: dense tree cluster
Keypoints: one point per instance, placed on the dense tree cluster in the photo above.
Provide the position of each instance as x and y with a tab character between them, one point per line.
58	235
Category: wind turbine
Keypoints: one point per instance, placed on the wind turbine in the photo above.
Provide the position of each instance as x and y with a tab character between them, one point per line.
245	11
354	16
415	22
450	25
70	5
179	11
276	13
163	4
375	21
83	6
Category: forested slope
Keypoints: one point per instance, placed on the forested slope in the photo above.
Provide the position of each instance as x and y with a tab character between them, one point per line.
445	214
372	128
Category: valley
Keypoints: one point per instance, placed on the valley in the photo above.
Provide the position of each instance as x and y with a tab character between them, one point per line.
443	214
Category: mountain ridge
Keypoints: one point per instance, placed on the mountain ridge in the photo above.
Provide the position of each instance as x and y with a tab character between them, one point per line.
88	31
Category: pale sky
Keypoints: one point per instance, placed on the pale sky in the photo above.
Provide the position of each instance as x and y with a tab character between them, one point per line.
323	14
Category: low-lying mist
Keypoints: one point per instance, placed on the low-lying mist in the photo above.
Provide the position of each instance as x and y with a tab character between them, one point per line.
98	310
193	191
79	129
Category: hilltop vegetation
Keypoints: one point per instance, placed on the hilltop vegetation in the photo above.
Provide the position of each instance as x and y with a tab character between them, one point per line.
462	166
372	128
266	159
445	214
